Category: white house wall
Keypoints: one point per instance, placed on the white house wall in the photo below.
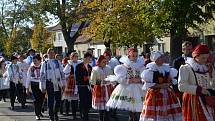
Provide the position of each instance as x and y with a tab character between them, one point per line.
59	41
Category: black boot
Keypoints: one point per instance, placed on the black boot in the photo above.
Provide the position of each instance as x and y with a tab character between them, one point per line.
67	104
101	115
131	116
61	107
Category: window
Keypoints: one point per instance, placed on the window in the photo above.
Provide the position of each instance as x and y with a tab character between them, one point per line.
59	36
99	52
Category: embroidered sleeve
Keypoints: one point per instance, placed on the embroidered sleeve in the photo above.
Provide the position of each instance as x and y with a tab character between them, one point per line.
67	70
63	79
121	72
183	81
43	74
93	77
173	74
147	77
28	78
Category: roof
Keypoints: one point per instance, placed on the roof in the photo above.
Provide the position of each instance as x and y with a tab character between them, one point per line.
55	28
84	38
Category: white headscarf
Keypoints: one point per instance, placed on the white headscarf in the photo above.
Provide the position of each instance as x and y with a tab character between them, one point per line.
155	55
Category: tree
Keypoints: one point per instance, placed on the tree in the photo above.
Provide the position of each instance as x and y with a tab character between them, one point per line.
40	38
120	22
63	10
14	36
185	14
129	22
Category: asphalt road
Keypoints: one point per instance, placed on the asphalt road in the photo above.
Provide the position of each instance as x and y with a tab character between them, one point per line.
19	114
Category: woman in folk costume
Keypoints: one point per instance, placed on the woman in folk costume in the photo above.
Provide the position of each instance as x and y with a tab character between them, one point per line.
128	94
101	88
33	79
197	81
3	86
71	91
161	103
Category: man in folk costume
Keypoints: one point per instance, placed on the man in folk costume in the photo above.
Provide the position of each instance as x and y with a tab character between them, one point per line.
197	81
187	49
160	103
33	79
101	88
82	74
14	77
128	94
71	91
53	82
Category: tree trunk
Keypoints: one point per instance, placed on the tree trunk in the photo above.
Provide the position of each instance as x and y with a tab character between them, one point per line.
176	39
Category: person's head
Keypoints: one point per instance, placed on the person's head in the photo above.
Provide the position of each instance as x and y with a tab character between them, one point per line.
157	57
65	61
147	56
132	54
37	59
87	58
90	50
51	53
2	63
102	61
74	56
58	56
187	48
201	53
13	59
45	56
31	52
21	57
107	55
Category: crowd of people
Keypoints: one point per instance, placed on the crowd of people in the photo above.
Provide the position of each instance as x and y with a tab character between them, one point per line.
149	87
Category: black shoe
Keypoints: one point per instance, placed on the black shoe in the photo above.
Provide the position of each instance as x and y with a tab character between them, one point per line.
12	107
51	118
56	118
24	107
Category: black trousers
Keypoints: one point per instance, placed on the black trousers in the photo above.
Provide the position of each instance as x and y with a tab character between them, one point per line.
104	115
19	91
38	98
3	94
54	100
85	97
74	106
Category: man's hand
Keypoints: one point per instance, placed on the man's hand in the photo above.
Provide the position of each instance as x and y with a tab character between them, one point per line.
27	91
